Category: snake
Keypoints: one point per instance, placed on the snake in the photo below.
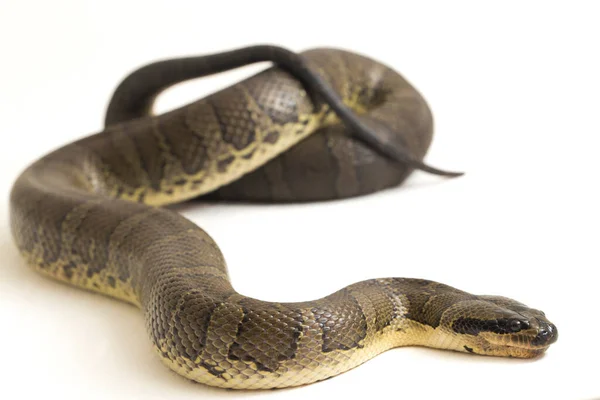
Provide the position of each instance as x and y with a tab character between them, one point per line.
324	124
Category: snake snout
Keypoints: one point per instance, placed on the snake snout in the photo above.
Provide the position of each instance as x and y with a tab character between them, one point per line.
547	334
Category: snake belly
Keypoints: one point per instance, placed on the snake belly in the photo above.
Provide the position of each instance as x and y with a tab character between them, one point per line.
88	214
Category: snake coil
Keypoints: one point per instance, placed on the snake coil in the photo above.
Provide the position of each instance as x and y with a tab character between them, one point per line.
325	124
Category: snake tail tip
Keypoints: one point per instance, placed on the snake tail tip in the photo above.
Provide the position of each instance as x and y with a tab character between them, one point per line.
435	171
451	174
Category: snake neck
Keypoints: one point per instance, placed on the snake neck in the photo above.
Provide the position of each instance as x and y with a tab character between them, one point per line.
84	215
212	334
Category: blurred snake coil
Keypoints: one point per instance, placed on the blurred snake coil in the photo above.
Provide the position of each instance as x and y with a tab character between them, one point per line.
320	125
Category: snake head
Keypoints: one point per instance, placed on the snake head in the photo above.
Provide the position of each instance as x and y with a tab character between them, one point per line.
498	326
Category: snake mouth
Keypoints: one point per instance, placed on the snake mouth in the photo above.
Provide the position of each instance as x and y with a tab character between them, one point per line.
529	345
531	348
529	352
511	350
521	350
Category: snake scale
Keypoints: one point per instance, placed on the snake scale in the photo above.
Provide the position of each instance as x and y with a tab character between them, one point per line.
323	124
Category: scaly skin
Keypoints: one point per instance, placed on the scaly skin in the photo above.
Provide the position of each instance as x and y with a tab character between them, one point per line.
86	214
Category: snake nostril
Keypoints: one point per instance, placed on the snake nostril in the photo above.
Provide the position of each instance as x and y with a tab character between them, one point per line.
546	334
553	331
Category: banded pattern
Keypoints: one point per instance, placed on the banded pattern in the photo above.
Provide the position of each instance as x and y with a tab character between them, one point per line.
85	214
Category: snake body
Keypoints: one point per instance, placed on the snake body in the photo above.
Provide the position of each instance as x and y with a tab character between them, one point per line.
325	124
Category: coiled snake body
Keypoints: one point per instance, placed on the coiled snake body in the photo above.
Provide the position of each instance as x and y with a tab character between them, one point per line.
322	125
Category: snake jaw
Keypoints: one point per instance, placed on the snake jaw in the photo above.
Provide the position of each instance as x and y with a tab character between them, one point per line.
486	344
496	326
530	343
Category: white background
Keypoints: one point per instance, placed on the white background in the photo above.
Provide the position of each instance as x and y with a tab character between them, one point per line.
515	91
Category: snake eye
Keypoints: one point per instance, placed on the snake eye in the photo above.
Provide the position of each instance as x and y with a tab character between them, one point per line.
515	325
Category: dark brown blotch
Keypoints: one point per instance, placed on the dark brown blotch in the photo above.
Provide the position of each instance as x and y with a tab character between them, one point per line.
223	164
69	269
213	370
428	300
271	137
180	182
249	155
342	322
267	335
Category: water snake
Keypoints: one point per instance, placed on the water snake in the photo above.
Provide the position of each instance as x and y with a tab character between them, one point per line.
321	125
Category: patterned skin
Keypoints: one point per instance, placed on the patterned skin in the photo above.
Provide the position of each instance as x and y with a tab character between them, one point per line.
88	214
